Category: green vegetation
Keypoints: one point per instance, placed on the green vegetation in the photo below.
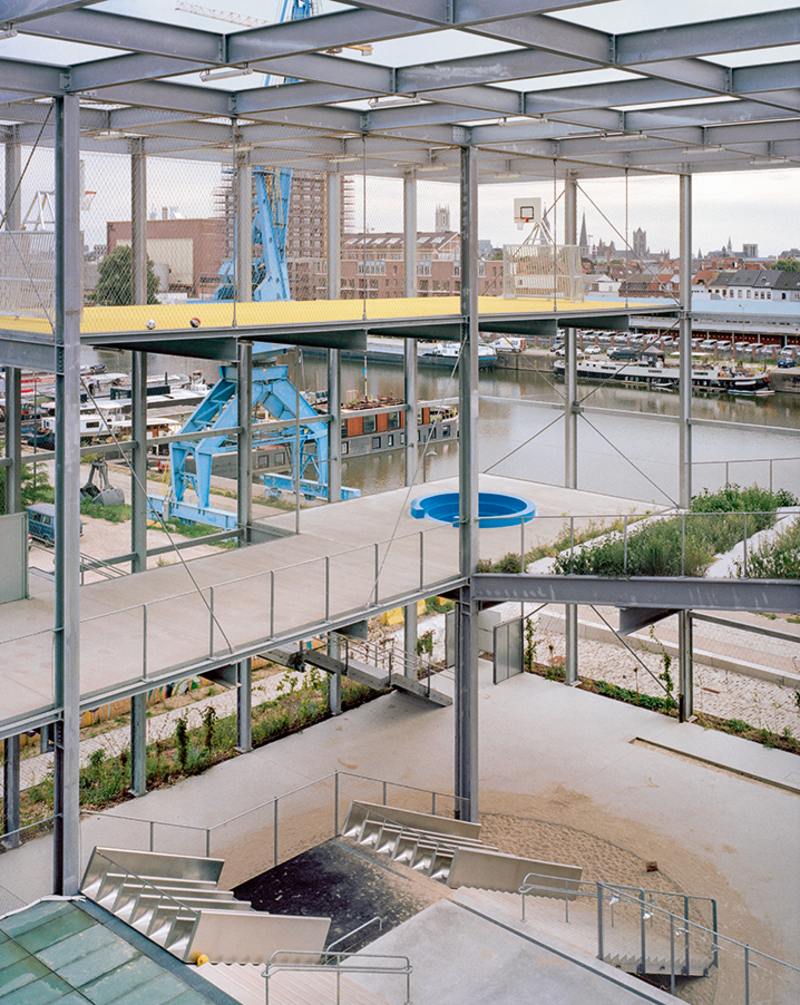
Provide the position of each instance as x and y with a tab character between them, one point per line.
714	525
114	514
786	265
35	486
776	559
105	780
115	279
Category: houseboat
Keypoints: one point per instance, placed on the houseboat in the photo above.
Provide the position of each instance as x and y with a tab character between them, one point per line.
705	379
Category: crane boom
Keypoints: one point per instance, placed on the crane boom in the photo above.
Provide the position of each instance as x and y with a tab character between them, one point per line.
220	15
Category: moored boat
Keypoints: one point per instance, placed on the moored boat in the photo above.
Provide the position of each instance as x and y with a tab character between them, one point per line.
712	379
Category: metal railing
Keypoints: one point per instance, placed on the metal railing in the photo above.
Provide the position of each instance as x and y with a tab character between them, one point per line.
349	935
684	945
749	462
153	835
345	963
385	655
689	530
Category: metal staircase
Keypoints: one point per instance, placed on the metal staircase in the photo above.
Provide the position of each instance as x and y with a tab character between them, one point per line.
175	900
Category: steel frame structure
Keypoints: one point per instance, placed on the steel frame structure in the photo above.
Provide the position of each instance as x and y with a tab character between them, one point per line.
670	98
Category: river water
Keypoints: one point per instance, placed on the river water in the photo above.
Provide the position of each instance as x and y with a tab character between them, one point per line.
627	438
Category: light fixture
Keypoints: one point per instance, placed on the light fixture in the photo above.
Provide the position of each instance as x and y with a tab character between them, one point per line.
109	134
703	150
621	137
343	159
768	160
7	32
231	71
613	900
646	915
508	174
433	167
394	102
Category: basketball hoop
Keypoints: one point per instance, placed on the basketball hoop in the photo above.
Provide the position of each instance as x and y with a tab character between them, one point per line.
527	211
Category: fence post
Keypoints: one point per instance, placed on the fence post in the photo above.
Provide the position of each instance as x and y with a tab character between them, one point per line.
152	830
336	804
686	935
642	919
421	561
208	842
744	544
671	953
384	793
600	948
624	544
211	623
144	641
683	543
272	602
571	544
377	569
521	545
746	974
327	587
566	900
433	804
275	831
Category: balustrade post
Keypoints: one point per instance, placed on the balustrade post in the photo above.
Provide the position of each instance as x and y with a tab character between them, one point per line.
272	602
211	623
642	931
275	832
671	953
600	948
746	974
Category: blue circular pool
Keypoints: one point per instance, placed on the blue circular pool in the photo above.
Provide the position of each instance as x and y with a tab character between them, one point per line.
495	509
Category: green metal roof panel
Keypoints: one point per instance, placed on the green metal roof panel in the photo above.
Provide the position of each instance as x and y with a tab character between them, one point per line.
59	952
113	986
10	953
53	930
81	944
44	991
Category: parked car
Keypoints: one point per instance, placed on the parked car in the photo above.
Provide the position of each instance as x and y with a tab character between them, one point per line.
784	362
42	522
592	350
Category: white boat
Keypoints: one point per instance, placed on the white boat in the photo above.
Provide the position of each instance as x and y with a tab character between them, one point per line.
717	379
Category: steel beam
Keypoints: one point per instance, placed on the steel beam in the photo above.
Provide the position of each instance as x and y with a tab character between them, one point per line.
335	425
466	692
66	657
680	593
571	413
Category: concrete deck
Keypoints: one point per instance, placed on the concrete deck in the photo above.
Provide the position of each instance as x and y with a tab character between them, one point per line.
547	752
150	626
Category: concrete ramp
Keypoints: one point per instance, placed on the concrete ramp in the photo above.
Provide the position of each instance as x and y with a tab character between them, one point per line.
246	983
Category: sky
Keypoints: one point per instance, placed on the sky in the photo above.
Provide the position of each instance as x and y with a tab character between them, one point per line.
761	208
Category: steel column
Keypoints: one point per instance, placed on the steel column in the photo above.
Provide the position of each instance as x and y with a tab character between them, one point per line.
685	430
244	229
13	446
333	251
685	338
334	679
66	836
244	706
138	744
466	692
571	413
685	666
333	234
138	364
244	419
410	394
13	205
335	425
11	747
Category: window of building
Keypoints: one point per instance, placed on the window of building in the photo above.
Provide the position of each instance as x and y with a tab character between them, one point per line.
369	423
345	448
390	440
376	443
393	420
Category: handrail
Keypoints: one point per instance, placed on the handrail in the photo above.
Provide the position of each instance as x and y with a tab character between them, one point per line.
339	968
678	924
355	931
